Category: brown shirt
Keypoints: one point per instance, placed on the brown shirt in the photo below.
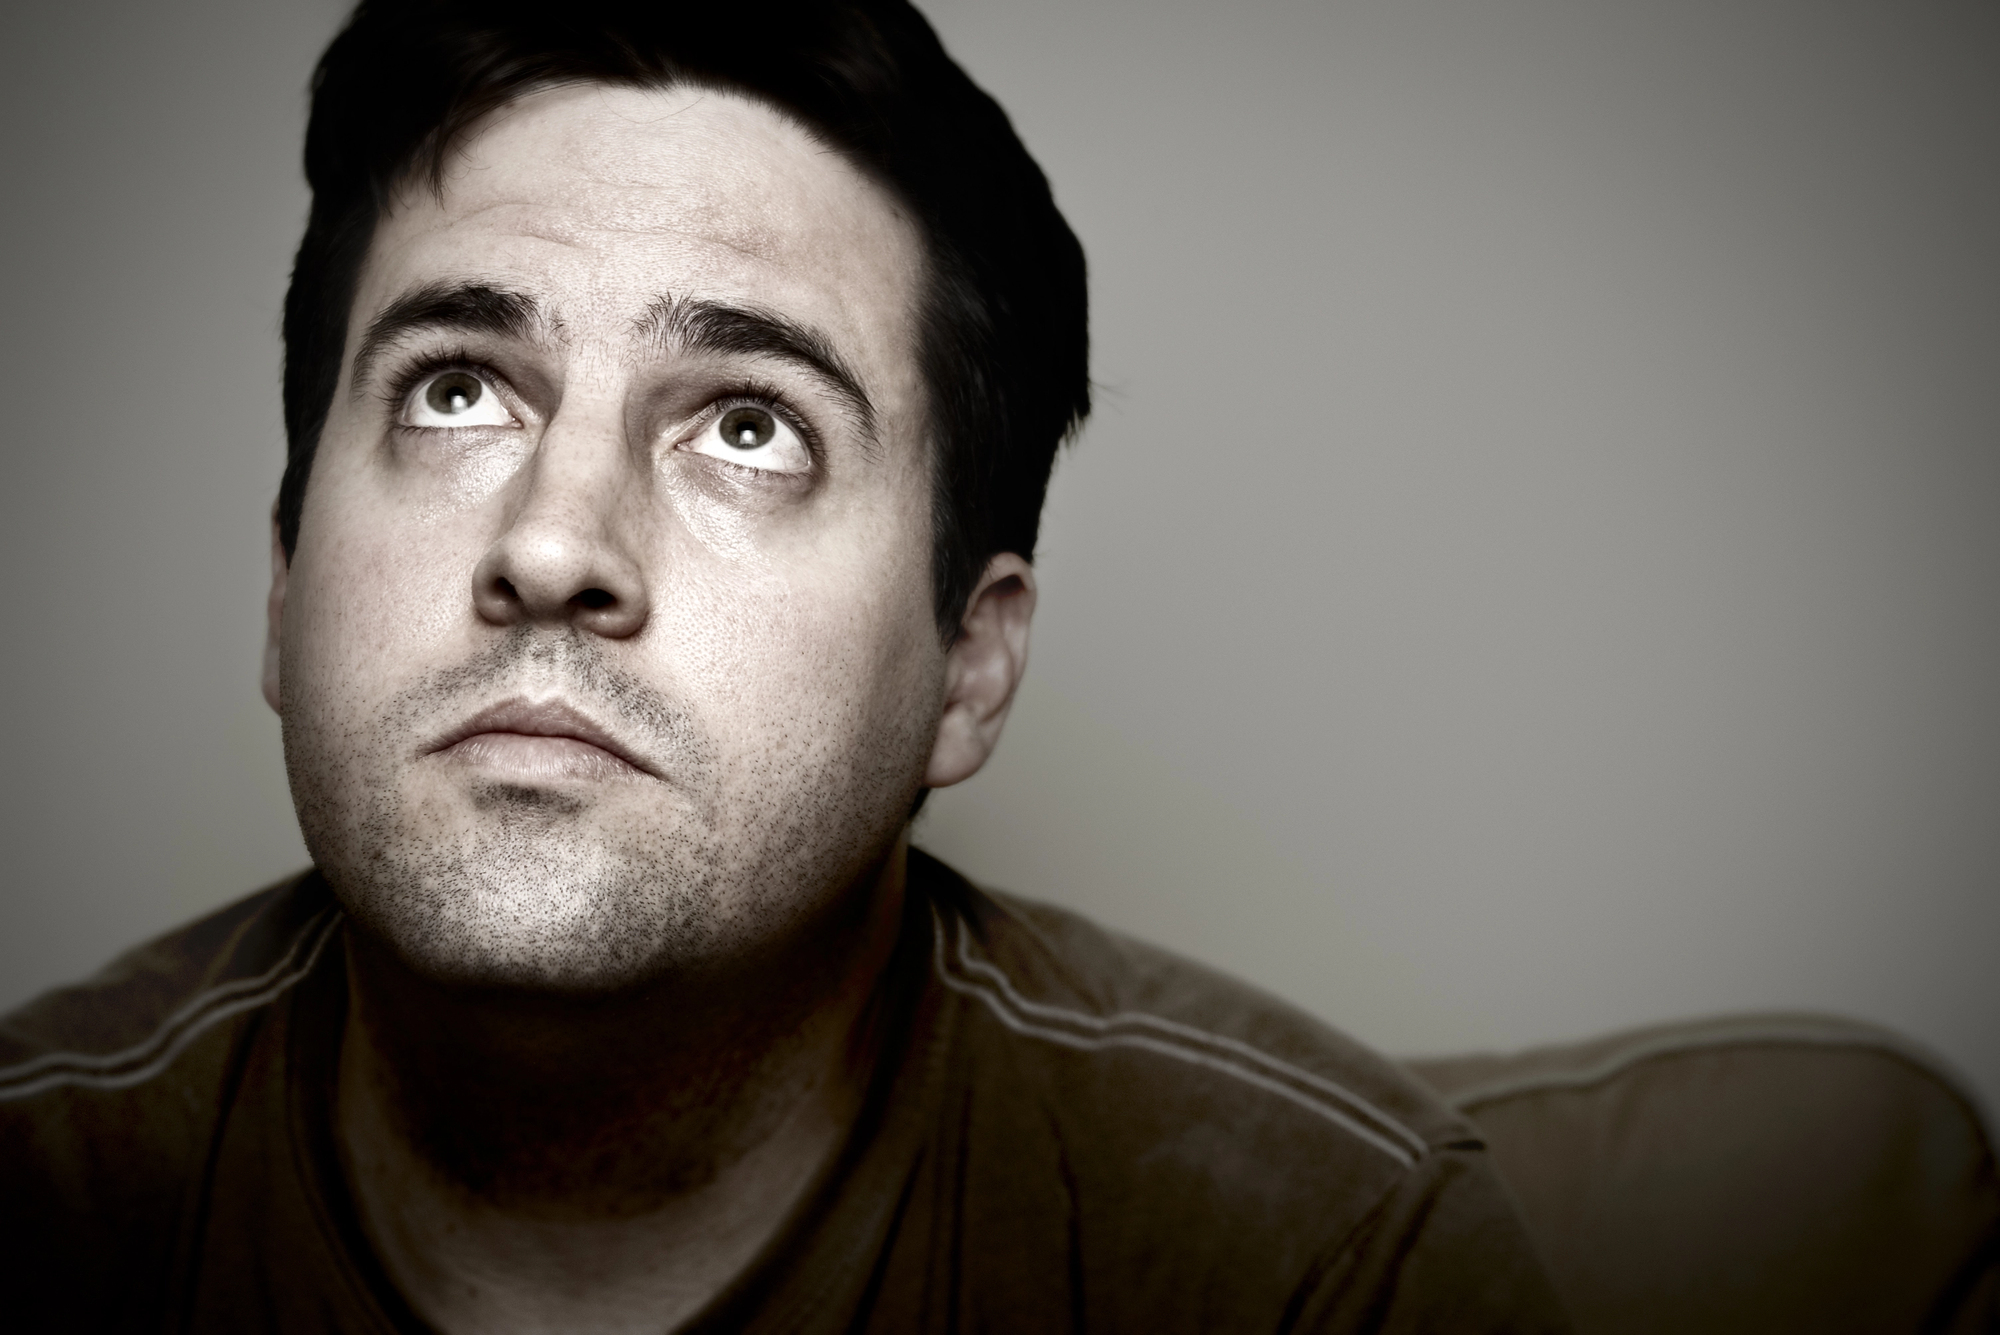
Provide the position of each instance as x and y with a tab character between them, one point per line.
1067	1131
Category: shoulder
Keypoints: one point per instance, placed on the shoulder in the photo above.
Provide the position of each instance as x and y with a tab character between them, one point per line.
1052	976
1227	1160
111	1089
134	1018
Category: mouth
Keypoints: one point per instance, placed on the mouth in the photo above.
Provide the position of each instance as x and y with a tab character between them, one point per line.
528	742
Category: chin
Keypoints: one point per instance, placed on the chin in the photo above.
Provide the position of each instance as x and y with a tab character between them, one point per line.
533	889
537	897
536	917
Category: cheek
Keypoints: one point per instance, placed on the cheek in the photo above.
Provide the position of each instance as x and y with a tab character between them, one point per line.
380	587
452	477
367	597
822	642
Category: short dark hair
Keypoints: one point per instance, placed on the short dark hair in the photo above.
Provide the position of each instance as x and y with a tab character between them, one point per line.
1003	329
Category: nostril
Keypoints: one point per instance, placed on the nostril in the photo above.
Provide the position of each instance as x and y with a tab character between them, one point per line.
593	599
505	588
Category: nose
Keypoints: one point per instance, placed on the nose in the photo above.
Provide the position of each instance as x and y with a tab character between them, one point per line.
564	556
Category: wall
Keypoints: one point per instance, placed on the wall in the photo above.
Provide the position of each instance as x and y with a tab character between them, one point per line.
1535	566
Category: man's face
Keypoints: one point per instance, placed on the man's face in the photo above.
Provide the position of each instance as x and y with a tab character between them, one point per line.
607	644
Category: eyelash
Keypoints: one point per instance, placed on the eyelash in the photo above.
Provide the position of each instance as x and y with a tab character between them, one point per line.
756	394
744	393
396	393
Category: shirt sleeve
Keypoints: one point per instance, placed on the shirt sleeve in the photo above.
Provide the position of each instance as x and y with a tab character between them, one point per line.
1445	1251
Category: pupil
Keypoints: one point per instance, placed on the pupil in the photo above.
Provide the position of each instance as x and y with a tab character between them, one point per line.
747	428
453	394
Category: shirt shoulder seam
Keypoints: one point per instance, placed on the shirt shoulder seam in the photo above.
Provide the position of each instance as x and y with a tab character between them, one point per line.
141	1061
983	981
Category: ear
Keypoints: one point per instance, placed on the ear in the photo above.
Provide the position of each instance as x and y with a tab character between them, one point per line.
274	614
982	669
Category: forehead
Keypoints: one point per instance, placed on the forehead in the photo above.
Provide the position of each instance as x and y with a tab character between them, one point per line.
600	200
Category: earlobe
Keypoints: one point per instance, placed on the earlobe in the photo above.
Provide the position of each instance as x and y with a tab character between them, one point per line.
274	614
983	669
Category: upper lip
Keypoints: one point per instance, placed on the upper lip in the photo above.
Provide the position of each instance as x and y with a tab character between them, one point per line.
541	718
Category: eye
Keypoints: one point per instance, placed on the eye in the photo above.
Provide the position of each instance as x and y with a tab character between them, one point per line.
754	437
455	398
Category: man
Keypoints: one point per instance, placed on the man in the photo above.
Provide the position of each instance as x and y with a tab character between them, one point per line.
671	396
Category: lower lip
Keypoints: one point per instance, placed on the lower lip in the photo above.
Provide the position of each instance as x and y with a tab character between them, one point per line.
525	758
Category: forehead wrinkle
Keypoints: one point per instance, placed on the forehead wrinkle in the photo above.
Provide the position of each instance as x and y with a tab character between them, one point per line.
758	244
633	208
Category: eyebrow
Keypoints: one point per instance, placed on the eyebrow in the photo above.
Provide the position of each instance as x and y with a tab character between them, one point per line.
689	325
697	326
468	308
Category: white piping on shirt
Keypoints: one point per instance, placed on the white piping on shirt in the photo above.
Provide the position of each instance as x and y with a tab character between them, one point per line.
158	1050
1198	1047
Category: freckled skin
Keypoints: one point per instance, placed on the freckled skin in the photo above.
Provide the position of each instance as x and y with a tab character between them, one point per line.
786	677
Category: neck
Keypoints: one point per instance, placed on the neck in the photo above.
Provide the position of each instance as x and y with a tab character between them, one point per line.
624	1154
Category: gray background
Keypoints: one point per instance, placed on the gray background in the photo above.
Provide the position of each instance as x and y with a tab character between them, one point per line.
1534	568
